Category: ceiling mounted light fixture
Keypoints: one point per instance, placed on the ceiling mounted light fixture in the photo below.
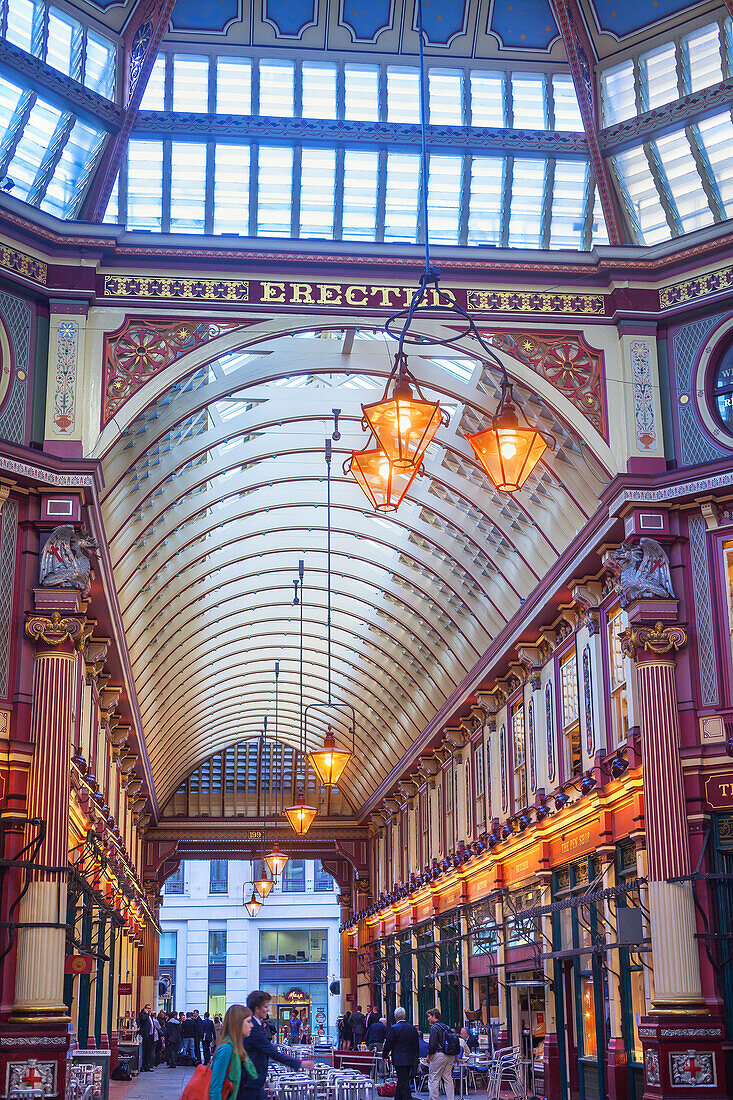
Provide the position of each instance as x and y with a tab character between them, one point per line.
254	904
404	421
275	859
381	482
264	882
300	815
507	450
329	761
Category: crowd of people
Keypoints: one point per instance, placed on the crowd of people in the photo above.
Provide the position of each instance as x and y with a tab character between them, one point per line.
174	1036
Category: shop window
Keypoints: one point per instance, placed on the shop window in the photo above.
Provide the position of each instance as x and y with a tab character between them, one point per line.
469	815
268	947
589	1018
439	808
722	390
217	983
570	715
167	948
519	763
617	665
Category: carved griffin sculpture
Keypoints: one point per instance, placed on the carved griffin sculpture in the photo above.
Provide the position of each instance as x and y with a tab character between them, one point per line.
64	559
642	571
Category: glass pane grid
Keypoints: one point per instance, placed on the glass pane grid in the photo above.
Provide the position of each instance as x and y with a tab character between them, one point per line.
190	83
361	171
234	86
188	187
274	191
319	90
643	198
525	217
684	181
79	155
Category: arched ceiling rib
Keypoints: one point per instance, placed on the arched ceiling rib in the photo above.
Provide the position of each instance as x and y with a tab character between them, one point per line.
218	488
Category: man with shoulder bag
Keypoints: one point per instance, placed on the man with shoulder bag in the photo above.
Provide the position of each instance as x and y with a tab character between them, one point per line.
443	1046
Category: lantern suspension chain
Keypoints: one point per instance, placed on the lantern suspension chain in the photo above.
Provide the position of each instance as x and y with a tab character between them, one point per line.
328	559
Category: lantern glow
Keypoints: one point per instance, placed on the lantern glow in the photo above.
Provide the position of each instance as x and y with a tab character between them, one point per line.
300	815
329	762
383	484
276	860
402	423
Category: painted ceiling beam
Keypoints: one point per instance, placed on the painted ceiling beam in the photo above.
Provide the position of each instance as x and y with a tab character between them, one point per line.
670	116
141	40
465	139
579	52
30	72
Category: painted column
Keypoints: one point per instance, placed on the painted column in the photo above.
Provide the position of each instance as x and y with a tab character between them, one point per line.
39	985
149	957
65	413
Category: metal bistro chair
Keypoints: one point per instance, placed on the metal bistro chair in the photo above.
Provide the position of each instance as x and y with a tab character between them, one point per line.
303	1089
355	1089
506	1068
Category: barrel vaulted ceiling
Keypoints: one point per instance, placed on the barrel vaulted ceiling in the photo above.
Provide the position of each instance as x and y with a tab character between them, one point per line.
216	488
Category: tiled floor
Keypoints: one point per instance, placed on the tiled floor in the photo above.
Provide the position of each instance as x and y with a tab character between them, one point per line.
163	1084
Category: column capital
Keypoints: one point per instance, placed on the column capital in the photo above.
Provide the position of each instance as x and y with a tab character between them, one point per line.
57	629
652	638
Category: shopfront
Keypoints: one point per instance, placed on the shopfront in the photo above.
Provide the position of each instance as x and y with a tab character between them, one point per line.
294	969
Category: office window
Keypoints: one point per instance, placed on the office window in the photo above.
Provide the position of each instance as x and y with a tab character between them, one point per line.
570	715
175	883
520	755
617	665
217	984
218	876
293	877
323	882
319	946
168	946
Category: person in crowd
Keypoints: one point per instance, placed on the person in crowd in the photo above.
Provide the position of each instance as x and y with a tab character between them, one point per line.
347	1033
198	1034
372	1018
305	1035
358	1027
218	1028
208	1037
231	1061
471	1039
144	1025
157	1040
402	1046
440	1064
160	1042
261	1050
187	1034
376	1034
172	1039
296	1025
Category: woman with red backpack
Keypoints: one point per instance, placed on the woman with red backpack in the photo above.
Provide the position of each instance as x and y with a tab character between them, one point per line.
222	1077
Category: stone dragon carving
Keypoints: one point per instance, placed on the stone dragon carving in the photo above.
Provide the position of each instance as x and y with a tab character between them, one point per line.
642	571
64	560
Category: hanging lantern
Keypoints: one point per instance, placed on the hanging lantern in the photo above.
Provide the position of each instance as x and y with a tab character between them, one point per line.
507	451
383	485
264	882
329	761
403	424
300	816
276	860
254	904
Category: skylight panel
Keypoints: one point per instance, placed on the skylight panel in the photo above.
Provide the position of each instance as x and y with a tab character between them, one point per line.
233	361
701	58
274	191
10	97
445	174
568	204
231	189
190	83
32	146
658	70
144	184
112	213
361	92
188	186
528	101
567	111
154	96
617	93
484	211
403	180
716	137
445	97
599	233
641	195
277	88
234	86
75	163
525	217
460	368
361	171
318	90
403	94
487	99
317	192
684	181
25	25
99	68
64	49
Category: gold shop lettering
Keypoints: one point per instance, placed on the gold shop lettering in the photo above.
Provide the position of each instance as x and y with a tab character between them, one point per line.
574	842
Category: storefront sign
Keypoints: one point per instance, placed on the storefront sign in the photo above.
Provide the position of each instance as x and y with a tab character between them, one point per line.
297	996
719	791
79	964
522	866
573	844
125	989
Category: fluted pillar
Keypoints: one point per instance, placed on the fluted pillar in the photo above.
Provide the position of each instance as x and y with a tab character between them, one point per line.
39	984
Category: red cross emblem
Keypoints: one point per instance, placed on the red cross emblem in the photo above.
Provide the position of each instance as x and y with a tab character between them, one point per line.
32	1077
692	1068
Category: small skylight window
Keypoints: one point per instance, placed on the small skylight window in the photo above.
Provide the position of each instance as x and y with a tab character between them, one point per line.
460	368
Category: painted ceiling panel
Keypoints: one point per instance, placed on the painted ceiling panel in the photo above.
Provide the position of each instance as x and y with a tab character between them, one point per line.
622	17
443	19
366	18
523	24
204	15
291	17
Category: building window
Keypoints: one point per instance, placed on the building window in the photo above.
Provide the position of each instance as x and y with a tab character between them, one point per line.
520	756
295	946
218	876
570	715
322	881
723	390
293	877
617	665
167	949
175	883
217	971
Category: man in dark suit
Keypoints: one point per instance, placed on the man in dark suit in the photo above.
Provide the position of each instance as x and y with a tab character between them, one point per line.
402	1045
358	1026
145	1027
372	1017
376	1034
261	1050
198	1034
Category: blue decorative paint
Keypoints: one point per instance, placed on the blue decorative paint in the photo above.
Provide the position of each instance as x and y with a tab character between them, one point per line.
442	20
530	747
622	17
549	726
502	760
204	15
523	24
588	698
366	19
290	17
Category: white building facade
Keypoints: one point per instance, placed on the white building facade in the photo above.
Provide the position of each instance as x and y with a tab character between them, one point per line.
212	954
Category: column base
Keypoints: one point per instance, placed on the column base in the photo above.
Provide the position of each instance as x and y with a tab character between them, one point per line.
34	1058
683	1057
552	1086
37	1016
617	1070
